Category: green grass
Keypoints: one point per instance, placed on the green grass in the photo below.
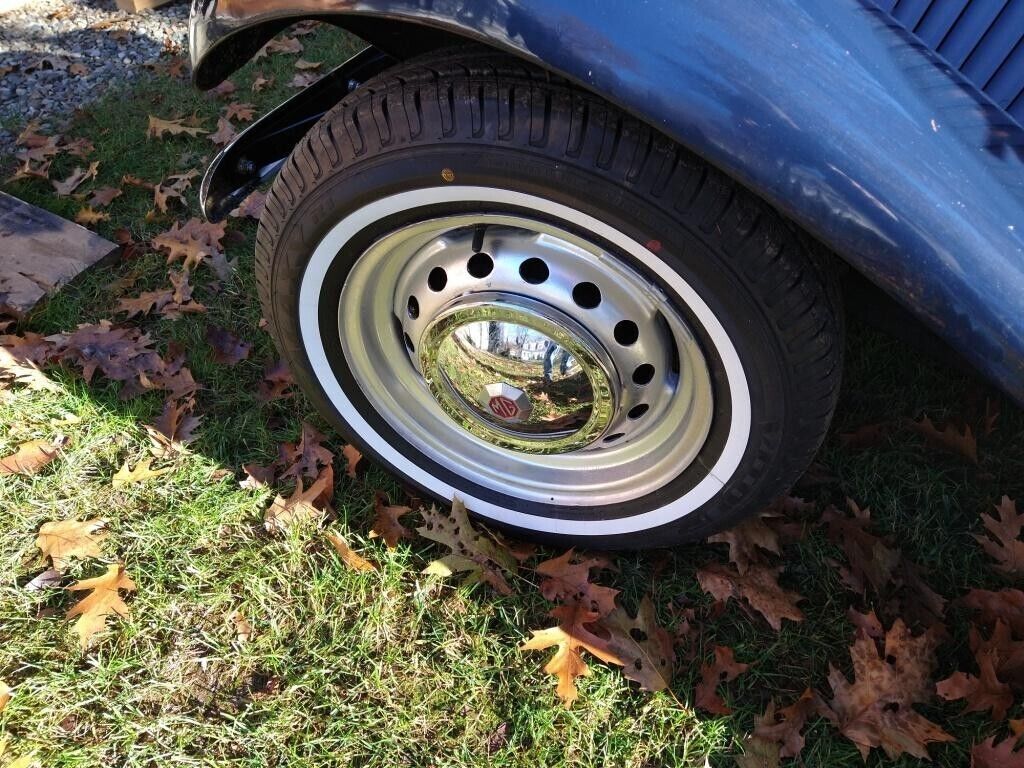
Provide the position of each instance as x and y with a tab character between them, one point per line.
395	668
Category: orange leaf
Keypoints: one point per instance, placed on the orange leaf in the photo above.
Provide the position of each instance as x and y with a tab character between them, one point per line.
103	600
352	559
385	521
724	669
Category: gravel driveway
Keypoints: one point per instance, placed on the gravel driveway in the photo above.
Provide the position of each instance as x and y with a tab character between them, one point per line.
56	55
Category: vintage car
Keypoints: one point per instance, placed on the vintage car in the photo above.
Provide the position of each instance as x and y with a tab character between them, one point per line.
579	262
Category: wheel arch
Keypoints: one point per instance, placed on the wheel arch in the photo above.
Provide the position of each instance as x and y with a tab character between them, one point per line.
843	123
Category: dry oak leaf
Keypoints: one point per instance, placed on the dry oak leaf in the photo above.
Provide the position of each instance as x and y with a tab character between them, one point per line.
1004	544
103	196
173	430
143	471
30	458
252	206
1006	605
242	627
300	509
279	45
783	729
875	710
303	79
567	580
65	540
227	348
642	645
224	134
759	586
982	693
191	242
745	541
260	83
474	554
305	458
72	182
144	303
5	695
102	601
353	459
237	111
988	754
17	368
950	439
724	669
350	557
303	64
157	128
866	436
87	216
573	634
385	520
258	475
277	382
224	89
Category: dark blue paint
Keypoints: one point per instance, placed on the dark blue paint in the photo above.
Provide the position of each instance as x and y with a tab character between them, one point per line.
829	110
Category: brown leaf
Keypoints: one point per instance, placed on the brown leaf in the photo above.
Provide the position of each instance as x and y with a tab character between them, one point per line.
353	459
157	128
744	541
724	669
252	206
224	89
982	693
785	727
876	709
572	635
988	754
950	439
759	587
72	182
104	196
224	134
299	510
88	217
143	471
305	458
29	459
172	432
5	696
145	302
258	475
385	521
303	64
103	600
303	79
277	382
1006	605
472	553
227	348
261	83
567	580
282	44
351	558
867	436
193	241
1004	544
65	540
78	69
237	111
643	647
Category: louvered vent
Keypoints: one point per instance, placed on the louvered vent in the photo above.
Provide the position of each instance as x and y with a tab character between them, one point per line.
984	39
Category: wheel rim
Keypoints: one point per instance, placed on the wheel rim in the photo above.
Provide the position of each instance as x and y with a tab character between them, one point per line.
433	315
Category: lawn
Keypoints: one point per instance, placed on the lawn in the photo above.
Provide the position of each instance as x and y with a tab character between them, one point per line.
337	666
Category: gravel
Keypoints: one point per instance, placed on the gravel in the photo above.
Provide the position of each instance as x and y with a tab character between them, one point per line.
56	55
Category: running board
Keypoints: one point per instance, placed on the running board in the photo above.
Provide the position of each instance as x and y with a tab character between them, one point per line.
257	153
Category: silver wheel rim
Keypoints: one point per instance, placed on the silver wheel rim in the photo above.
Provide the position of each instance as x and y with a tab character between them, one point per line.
651	402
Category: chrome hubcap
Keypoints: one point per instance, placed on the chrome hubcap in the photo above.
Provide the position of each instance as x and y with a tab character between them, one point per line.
526	358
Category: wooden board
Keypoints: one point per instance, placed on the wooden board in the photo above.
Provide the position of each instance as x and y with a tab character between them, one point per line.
40	252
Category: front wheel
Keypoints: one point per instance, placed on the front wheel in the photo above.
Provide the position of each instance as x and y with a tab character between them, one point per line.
506	290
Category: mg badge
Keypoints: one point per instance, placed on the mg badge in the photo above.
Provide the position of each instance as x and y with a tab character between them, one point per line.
505	402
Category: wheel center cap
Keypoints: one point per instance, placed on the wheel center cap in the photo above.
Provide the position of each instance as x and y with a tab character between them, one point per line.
518	374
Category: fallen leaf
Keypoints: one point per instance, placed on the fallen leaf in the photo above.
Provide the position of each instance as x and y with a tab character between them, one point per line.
351	558
143	471
950	439
103	600
571	636
261	83
5	695
277	382
72	182
982	693
172	432
745	542
237	111
353	458
157	128
303	64
875	710
1006	605
252	206
642	645
48	579
29	459
227	348
223	89
1003	544
759	586
192	242
784	728
303	79
299	510
258	475
988	754
472	553
386	523
224	134
283	44
567	579
144	303
304	459
65	540
87	217
867	436
724	669
104	196
243	629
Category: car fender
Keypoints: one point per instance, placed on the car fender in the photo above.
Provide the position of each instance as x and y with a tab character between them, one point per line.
829	111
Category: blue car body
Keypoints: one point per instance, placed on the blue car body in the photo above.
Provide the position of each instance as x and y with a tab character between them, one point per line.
890	132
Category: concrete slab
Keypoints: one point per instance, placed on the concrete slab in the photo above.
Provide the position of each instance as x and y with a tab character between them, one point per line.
40	252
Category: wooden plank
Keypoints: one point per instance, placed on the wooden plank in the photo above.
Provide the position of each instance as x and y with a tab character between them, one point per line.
40	252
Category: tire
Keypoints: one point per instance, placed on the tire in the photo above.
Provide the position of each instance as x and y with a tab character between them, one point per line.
744	338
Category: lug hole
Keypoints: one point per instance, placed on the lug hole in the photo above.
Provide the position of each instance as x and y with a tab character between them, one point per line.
643	374
409	344
586	295
626	332
534	271
480	265
437	279
638	410
613	438
413	307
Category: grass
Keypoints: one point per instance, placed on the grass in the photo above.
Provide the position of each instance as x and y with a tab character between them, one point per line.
395	668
